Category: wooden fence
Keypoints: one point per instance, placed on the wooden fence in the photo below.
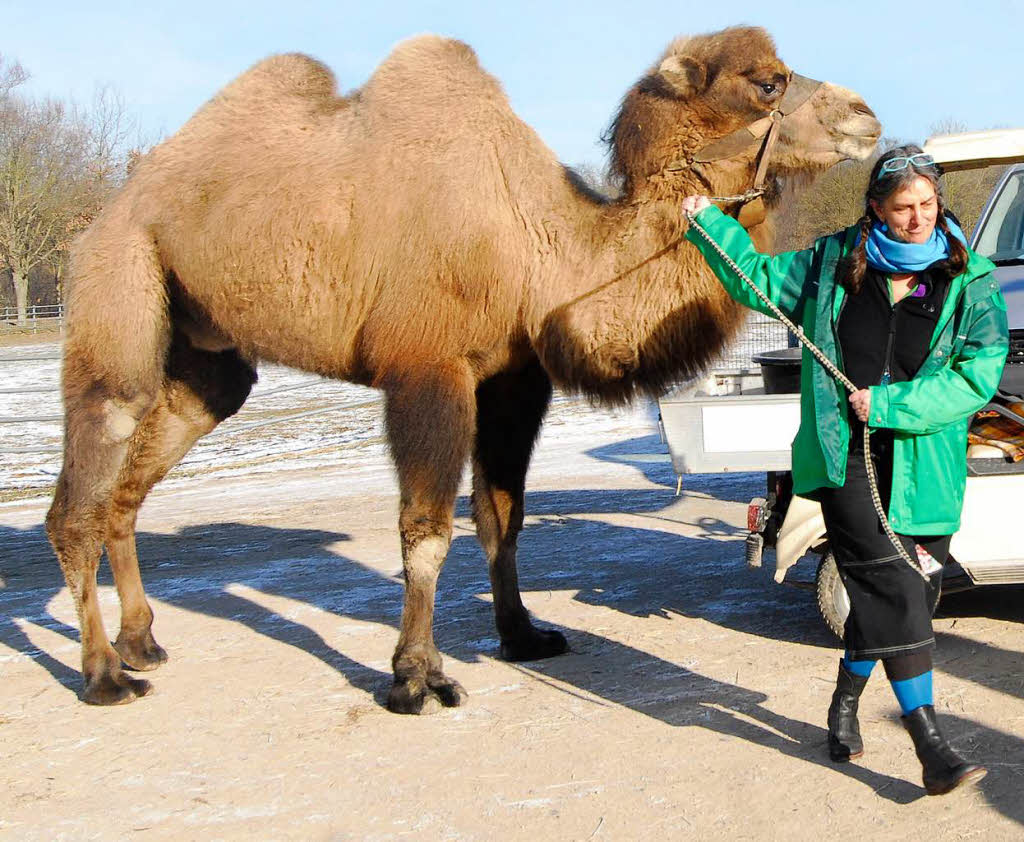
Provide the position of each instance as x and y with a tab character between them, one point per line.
38	318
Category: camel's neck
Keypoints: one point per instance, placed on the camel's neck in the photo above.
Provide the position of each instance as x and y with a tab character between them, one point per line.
633	306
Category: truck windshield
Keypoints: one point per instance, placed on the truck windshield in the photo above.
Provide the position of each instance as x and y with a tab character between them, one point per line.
1001	236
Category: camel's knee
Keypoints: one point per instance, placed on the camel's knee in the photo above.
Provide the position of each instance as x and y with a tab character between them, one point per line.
426	536
419	522
424	558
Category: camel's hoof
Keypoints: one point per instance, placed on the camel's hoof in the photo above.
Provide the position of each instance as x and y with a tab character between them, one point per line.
142	654
534	645
423	699
115	689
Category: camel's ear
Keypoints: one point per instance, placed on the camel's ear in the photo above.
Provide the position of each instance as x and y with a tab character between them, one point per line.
683	75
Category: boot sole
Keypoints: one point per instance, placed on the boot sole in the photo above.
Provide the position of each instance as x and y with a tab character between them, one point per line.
845	758
973	776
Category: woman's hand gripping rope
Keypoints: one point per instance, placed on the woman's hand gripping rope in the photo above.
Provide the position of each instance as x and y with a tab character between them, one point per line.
692	205
860	399
860	402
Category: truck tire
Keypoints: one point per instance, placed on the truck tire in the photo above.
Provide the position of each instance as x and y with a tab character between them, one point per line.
833	603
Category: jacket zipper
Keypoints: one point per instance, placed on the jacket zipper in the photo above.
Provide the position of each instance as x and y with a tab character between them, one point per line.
886	378
887	371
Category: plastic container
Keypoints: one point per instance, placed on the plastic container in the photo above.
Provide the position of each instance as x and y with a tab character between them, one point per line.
780	370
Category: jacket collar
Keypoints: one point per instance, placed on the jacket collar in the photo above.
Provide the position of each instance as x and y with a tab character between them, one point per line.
977	267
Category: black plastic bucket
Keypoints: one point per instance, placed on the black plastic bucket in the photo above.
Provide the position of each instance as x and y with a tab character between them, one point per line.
780	370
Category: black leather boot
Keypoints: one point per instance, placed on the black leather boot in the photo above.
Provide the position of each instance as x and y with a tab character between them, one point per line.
944	769
844	742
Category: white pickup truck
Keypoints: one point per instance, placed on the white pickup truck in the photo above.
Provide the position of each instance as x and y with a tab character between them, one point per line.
729	421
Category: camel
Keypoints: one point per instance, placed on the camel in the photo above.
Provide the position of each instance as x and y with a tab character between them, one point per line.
415	236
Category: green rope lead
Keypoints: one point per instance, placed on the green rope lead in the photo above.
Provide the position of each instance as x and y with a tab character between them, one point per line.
832	369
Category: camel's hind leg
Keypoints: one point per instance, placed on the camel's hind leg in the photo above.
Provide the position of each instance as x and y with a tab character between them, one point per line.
510	408
97	429
429	417
200	390
113	364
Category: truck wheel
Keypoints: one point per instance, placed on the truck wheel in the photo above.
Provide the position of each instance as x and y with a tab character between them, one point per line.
833	603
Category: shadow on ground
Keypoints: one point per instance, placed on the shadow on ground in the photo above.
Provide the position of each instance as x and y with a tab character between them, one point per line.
640	572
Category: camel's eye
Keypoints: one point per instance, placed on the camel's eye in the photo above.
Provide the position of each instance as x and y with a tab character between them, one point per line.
768	88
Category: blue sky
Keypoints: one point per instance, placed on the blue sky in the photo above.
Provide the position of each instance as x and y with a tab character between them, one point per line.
564	65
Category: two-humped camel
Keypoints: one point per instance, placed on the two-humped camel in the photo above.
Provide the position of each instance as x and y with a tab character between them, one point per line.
414	236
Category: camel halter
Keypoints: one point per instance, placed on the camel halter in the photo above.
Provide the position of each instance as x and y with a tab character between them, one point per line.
799	89
831	368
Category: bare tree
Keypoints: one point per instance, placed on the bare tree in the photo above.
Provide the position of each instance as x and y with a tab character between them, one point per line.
966	190
11	75
40	159
57	164
831	201
105	131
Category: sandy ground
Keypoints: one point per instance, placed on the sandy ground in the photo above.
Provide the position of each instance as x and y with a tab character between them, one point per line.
691	705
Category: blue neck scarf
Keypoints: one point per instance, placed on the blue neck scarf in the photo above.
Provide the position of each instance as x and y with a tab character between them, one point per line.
892	256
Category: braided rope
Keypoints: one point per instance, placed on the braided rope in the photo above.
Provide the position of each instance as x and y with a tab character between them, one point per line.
831	368
748	196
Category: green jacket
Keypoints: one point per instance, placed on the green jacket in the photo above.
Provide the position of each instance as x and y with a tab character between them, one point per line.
928	414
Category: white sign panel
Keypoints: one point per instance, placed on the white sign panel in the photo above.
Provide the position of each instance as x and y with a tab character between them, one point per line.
742	427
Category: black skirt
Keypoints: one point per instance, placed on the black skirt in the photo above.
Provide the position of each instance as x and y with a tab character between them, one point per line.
891	604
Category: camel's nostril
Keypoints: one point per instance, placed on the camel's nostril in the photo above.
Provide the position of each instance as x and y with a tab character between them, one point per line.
861	107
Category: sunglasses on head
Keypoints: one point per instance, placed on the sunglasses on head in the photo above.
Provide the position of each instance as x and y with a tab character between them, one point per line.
901	162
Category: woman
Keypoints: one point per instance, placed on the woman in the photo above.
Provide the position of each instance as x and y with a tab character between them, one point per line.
914	319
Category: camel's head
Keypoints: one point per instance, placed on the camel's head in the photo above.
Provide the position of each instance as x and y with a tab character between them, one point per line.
706	88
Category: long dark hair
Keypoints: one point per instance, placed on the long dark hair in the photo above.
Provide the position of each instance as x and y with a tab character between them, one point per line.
880	187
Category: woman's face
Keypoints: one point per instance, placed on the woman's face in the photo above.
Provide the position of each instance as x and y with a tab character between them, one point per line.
910	212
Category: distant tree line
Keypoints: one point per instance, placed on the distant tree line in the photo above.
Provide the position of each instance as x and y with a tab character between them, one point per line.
58	163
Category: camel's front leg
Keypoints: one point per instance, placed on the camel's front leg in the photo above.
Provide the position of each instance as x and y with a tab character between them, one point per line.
429	416
510	409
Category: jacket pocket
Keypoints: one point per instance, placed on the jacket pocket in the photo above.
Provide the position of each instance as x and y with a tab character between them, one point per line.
935	475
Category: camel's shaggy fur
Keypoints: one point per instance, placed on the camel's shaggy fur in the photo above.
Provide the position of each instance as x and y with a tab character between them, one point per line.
415	236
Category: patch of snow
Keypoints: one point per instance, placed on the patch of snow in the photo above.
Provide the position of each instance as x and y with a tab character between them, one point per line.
292	420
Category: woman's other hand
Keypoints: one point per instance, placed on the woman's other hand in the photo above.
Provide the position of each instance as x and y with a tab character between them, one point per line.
860	401
692	205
